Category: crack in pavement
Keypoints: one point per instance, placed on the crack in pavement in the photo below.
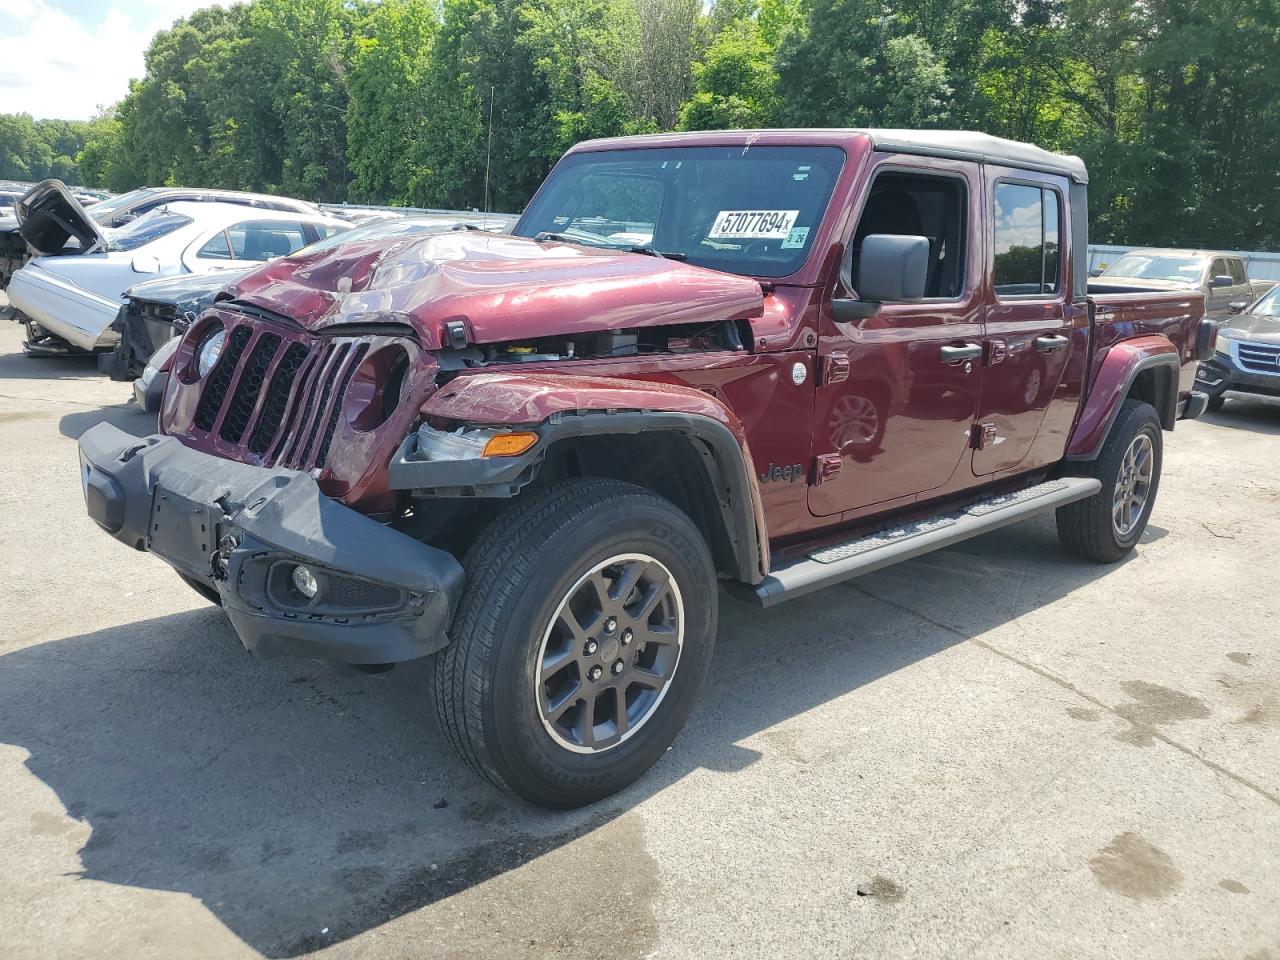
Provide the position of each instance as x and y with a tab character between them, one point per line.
1072	688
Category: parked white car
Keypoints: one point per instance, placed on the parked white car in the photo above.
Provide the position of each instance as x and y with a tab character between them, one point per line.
71	301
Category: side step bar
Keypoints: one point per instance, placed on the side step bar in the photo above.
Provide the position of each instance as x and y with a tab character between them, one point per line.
845	561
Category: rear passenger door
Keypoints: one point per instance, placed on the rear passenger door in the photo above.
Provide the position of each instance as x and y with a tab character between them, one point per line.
1241	289
1030	332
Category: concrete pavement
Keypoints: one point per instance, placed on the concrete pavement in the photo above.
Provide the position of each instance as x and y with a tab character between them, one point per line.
994	751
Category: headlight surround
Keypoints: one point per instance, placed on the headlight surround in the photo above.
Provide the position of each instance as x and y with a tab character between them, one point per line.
209	350
160	360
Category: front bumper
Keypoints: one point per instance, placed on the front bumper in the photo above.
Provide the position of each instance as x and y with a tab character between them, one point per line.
384	597
1224	372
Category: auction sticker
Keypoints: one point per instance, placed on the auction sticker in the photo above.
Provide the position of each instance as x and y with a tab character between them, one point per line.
753	224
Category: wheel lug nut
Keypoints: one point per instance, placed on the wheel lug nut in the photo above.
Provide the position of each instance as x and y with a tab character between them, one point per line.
595	672
610	625
617	667
627	636
591	648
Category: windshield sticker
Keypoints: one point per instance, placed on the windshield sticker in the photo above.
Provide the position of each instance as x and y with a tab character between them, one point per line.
753	224
796	238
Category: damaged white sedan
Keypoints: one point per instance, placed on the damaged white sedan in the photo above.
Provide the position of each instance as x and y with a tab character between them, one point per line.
68	302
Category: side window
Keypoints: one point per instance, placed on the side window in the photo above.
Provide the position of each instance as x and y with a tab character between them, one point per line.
1238	276
1218	269
1028	241
265	239
216	249
922	205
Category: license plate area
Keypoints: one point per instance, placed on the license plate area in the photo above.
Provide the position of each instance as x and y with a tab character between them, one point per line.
182	531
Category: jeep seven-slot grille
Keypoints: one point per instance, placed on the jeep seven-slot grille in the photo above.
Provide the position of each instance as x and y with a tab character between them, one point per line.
223	373
279	397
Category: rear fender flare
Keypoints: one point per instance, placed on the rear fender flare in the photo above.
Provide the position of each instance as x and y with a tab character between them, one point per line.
1119	370
561	407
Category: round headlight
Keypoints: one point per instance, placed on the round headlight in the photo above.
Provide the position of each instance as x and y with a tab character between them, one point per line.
209	350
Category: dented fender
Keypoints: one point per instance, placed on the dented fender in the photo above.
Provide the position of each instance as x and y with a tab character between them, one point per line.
1117	371
559	407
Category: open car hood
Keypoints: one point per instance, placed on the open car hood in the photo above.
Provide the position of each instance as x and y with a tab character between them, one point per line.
49	216
501	288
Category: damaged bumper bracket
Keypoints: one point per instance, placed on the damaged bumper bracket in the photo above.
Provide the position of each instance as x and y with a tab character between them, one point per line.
242	529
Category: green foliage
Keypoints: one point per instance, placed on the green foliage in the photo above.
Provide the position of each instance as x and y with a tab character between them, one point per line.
33	149
1171	102
737	86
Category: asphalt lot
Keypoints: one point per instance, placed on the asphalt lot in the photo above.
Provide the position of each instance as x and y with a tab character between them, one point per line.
994	751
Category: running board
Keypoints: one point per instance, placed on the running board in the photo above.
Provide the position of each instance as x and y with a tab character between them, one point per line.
844	561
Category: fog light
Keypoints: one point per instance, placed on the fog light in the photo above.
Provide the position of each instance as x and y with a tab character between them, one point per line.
305	582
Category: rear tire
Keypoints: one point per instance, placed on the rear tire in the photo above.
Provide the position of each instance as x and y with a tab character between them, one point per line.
1107	526
582	638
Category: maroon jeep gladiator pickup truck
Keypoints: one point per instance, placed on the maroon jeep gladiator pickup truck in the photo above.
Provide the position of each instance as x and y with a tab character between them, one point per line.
778	359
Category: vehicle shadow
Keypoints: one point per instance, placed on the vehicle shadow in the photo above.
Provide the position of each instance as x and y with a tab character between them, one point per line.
304	804
1255	414
127	416
18	366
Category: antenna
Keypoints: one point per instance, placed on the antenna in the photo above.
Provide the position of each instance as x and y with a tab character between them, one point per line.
488	153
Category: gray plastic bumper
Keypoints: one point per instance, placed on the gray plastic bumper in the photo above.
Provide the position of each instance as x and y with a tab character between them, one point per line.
383	597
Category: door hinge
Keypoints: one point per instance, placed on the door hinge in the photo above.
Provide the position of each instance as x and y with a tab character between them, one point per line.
827	467
982	435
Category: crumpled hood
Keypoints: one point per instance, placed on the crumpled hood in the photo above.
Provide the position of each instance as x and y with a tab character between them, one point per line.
502	288
186	288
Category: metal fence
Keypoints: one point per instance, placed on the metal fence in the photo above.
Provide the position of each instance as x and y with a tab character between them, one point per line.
1261	265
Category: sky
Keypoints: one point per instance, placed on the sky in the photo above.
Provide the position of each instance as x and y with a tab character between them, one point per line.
68	58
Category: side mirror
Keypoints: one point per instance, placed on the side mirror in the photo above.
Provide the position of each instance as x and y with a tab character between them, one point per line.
1238	306
890	268
143	263
1221	280
1095	272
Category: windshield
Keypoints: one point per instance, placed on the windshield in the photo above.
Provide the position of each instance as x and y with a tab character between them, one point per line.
1154	266
146	229
746	210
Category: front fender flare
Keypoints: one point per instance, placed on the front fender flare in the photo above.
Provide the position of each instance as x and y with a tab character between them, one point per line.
1119	369
558	407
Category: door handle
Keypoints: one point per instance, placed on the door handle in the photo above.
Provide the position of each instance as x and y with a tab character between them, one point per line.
958	355
1050	344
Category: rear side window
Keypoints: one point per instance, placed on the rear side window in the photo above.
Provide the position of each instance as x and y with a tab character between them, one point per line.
265	239
1238	275
1028	241
147	229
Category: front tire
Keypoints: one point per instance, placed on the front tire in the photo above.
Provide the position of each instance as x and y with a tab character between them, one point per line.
1106	527
582	639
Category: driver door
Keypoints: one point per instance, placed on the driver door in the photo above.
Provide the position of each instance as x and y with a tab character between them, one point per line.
898	392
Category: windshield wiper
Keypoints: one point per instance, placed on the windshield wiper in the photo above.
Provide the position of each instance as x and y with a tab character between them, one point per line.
660	254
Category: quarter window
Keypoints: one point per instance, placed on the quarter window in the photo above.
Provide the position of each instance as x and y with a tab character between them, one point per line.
1028	241
216	249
